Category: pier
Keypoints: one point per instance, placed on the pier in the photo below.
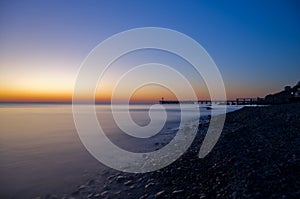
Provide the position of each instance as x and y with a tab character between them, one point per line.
238	101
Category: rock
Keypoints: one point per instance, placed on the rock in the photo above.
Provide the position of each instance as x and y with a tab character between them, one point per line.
107	186
104	193
82	187
143	196
140	179
202	196
110	177
117	192
178	191
158	194
149	185
132	186
120	178
129	182
149	180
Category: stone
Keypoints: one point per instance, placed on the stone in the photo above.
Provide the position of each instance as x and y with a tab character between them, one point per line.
149	185
132	186
82	187
129	182
202	196
143	196
120	178
178	191
104	193
90	195
159	193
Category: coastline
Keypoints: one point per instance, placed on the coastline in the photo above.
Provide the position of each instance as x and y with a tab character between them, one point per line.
257	156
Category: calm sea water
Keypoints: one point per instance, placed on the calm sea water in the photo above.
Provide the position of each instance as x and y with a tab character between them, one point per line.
40	151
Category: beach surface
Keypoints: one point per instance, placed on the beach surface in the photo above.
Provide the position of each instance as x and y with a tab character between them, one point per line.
257	156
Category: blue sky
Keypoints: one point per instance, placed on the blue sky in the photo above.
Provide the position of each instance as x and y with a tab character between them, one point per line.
255	44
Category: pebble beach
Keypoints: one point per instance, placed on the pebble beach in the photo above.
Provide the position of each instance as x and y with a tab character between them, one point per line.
257	156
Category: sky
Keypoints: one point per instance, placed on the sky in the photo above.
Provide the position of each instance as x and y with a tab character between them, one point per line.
255	44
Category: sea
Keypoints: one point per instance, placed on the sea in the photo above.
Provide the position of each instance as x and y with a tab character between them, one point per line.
41	152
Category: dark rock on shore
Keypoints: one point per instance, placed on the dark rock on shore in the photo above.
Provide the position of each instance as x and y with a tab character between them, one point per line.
257	156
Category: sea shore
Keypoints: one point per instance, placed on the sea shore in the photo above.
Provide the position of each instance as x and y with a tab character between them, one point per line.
257	156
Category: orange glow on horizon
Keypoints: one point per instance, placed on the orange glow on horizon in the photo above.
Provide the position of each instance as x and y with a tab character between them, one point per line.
31	96
146	94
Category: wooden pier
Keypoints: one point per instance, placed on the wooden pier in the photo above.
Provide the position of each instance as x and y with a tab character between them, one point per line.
238	101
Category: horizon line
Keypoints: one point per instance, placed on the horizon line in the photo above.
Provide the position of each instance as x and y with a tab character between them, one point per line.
109	102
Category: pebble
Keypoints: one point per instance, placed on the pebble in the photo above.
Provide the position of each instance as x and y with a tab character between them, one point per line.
178	191
128	182
120	178
132	186
202	196
103	193
143	196
82	187
117	192
159	193
110	177
149	180
149	185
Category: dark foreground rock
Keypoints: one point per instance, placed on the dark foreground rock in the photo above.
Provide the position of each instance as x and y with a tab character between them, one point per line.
257	156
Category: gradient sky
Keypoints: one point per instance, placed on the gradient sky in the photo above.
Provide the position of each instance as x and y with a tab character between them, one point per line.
255	44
